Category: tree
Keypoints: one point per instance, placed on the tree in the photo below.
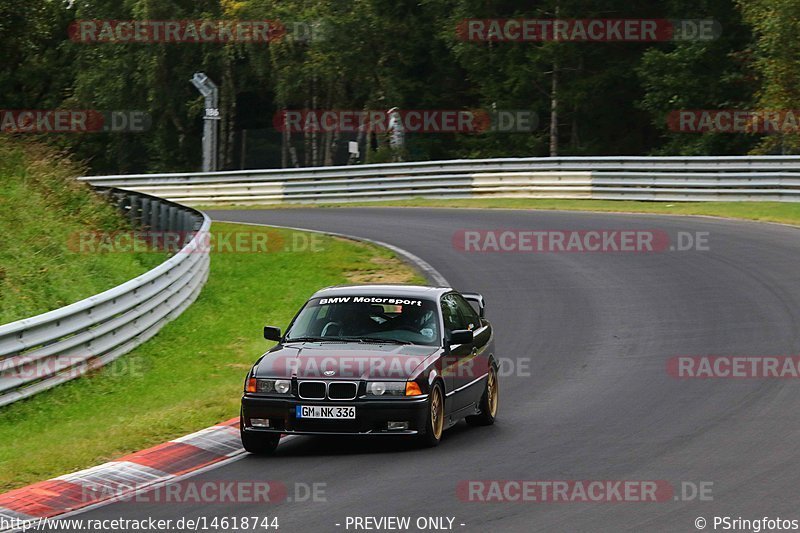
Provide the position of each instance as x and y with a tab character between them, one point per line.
776	60
699	75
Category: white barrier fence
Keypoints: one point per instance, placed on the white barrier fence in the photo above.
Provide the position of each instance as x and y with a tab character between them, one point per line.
743	178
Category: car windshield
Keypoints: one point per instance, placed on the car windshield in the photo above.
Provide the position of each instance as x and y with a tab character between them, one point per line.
367	319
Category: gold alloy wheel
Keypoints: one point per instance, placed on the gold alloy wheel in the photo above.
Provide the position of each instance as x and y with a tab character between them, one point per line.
491	392
437	412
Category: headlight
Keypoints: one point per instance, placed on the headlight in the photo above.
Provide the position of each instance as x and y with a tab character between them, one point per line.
386	388
272	386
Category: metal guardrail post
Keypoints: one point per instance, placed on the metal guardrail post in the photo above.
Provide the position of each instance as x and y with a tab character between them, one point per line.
155	208
144	219
172	224
133	213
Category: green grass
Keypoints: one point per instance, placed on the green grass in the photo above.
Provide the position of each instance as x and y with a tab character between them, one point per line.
784	212
191	374
42	211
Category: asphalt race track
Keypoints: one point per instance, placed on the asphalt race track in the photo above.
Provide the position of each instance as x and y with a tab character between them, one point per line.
594	403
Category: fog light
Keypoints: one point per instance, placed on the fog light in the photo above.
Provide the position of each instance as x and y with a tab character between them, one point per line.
259	422
397	425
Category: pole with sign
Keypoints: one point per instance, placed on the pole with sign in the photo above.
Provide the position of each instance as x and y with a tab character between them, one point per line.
211	94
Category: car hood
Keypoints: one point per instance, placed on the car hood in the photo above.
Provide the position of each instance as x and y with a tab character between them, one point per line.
338	360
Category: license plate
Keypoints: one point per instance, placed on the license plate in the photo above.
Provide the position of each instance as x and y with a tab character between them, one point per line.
318	411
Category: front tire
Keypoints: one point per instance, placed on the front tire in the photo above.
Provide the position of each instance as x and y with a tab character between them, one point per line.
260	444
434	426
489	402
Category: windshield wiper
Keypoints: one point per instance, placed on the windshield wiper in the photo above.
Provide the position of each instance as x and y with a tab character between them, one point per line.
377	340
311	339
347	339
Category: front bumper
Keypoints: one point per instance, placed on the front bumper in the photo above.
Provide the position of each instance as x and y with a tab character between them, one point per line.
371	416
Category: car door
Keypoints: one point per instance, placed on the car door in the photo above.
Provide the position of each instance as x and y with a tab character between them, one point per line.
475	367
456	369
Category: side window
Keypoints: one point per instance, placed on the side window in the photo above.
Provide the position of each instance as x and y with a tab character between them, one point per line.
471	318
451	315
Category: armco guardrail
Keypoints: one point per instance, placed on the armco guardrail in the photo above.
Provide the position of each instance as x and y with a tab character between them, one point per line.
740	178
40	352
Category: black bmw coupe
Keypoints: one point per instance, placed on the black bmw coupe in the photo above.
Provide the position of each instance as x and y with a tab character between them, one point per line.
374	360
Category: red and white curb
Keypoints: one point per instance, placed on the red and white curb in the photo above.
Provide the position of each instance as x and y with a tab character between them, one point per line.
134	472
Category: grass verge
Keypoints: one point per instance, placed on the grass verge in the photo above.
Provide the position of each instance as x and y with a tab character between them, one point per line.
190	375
42	210
784	212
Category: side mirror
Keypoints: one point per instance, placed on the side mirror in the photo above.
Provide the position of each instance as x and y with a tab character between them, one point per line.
271	333
461	336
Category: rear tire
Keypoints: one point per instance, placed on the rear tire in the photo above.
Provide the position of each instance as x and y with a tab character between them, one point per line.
260	444
489	402
434	425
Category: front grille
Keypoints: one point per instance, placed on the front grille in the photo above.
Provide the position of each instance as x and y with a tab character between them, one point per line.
311	390
344	390
332	390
